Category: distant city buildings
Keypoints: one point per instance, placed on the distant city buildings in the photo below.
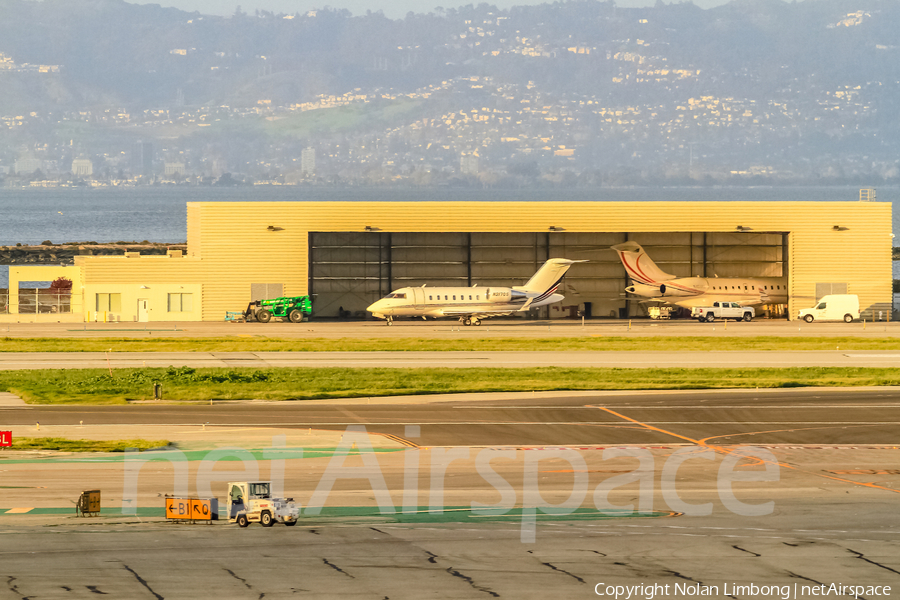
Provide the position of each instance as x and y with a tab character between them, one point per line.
634	109
308	162
82	167
174	169
520	130
142	158
27	165
7	64
468	164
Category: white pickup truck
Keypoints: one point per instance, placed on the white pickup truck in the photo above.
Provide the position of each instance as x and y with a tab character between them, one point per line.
722	310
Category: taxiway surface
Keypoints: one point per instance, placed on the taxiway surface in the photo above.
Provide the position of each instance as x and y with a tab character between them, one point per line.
833	516
834	416
835	502
450	329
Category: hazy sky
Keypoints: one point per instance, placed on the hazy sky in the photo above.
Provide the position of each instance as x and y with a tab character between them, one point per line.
391	8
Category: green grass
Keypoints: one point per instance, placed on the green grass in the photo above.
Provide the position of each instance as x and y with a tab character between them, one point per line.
95	386
613	343
67	445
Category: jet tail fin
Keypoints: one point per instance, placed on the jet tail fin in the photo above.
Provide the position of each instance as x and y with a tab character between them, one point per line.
639	266
548	277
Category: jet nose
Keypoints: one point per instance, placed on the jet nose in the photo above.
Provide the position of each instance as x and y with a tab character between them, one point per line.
377	306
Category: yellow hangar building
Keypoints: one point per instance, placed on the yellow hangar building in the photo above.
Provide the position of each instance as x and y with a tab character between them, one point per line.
346	255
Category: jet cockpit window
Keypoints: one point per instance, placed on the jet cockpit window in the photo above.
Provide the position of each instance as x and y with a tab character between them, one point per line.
396	295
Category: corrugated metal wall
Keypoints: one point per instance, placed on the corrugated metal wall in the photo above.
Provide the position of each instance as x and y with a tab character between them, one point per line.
240	243
194	222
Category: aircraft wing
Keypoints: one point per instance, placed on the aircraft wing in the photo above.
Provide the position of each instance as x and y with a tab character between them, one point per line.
476	313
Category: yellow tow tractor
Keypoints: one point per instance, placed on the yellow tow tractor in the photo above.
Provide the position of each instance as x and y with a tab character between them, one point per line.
252	502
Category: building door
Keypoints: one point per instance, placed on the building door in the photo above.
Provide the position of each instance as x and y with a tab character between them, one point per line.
143	310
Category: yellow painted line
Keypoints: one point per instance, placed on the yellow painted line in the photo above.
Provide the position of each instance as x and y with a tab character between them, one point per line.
721	450
443	510
19	511
399	440
213	428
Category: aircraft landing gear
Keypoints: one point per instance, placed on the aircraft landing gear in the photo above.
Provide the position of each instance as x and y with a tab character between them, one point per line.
389	321
465	321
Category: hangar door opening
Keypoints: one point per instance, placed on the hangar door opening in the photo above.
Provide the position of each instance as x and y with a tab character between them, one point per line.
348	271
694	254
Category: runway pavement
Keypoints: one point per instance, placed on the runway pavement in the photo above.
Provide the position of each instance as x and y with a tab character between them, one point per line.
824	541
498	359
834	516
818	417
833	500
450	329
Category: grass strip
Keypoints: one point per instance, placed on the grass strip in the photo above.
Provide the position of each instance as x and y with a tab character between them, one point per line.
370	515
67	445
592	343
169	453
95	386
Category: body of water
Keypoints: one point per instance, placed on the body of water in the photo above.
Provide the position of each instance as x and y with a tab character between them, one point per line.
159	214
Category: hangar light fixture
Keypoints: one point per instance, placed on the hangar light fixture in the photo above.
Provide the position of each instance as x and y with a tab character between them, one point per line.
274	228
555	228
838	228
369	228
743	228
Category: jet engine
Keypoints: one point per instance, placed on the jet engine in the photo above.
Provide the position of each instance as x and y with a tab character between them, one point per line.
686	286
640	289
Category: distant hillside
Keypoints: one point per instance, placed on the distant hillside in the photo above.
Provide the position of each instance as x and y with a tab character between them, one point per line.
580	91
143	54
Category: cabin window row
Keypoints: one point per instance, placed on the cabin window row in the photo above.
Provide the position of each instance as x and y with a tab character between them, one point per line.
765	287
461	297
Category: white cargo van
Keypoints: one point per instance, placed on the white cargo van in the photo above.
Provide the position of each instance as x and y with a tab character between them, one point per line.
834	307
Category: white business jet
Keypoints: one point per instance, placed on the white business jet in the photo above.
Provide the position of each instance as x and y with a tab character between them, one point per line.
651	282
472	304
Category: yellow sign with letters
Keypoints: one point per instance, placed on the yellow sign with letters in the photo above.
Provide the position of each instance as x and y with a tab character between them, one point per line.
192	509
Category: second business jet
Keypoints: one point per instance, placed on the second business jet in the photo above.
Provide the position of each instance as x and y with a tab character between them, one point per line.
472	304
651	282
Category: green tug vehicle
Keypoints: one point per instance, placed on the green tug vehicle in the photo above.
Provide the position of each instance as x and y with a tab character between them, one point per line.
289	308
